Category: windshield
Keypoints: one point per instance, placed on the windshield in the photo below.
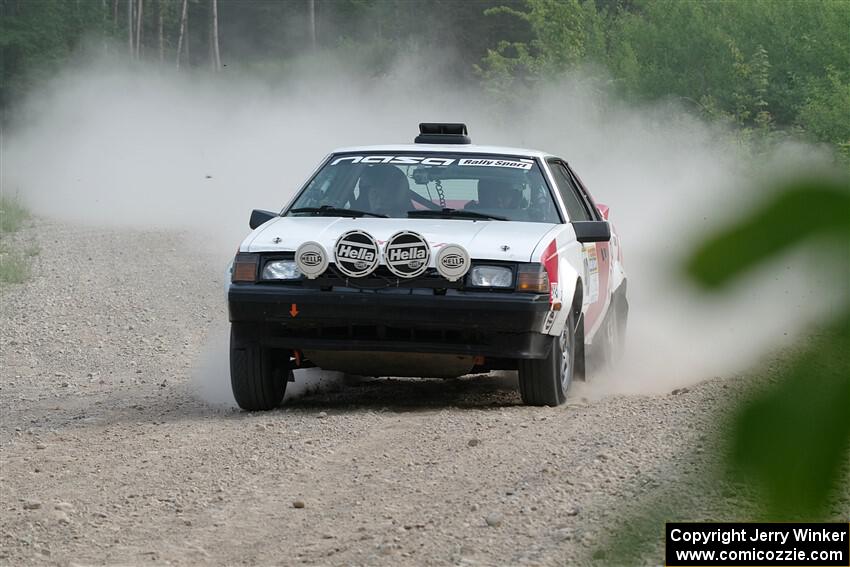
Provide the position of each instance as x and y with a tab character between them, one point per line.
451	185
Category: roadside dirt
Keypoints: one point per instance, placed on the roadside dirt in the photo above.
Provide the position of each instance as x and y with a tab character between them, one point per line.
108	456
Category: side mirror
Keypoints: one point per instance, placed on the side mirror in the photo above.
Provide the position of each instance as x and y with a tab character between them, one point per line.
592	231
259	216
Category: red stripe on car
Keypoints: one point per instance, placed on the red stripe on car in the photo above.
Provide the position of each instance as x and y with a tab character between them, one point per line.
550	264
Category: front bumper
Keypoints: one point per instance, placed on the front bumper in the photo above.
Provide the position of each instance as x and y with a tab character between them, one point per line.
477	323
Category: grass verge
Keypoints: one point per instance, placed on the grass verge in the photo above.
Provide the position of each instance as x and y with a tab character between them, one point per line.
14	260
12	214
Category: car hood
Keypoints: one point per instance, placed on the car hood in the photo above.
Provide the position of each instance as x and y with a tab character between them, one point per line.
485	240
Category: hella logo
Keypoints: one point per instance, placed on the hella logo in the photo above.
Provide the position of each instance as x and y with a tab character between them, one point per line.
355	253
402	254
452	260
311	259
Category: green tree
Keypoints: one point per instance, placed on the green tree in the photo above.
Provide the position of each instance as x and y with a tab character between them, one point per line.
36	39
566	33
826	110
760	64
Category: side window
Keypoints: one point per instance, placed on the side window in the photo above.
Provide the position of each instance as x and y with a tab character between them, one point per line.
585	194
576	207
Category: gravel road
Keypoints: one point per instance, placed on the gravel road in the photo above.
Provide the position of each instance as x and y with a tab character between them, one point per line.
108	456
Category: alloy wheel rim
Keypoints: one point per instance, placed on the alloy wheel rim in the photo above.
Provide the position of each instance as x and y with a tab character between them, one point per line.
566	359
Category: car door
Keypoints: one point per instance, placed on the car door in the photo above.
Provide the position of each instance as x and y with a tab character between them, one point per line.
596	255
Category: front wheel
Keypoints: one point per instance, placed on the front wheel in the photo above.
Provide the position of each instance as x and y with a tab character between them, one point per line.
258	380
544	382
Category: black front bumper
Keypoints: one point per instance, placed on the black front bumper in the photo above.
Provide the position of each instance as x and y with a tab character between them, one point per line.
479	323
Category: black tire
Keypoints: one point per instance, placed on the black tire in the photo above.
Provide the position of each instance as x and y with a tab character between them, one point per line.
258	380
544	382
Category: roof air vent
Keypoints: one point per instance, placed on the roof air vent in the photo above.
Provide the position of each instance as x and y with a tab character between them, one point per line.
442	133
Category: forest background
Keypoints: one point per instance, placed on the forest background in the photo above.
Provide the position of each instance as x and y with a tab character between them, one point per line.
769	68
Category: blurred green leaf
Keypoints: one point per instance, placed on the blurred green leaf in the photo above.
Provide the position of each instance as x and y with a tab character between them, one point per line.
792	440
801	210
789	441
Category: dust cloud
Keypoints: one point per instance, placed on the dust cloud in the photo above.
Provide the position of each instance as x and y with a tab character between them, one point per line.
142	146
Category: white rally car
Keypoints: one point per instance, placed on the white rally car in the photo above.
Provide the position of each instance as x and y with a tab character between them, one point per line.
435	259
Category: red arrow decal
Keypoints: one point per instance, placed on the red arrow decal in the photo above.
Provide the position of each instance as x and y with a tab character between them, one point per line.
293	310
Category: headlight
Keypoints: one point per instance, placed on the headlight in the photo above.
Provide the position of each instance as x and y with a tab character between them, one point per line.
491	276
281	270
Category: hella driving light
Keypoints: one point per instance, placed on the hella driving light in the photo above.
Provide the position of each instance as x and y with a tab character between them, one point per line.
453	262
311	259
491	276
281	270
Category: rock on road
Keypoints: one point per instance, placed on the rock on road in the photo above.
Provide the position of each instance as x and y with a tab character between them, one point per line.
107	454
